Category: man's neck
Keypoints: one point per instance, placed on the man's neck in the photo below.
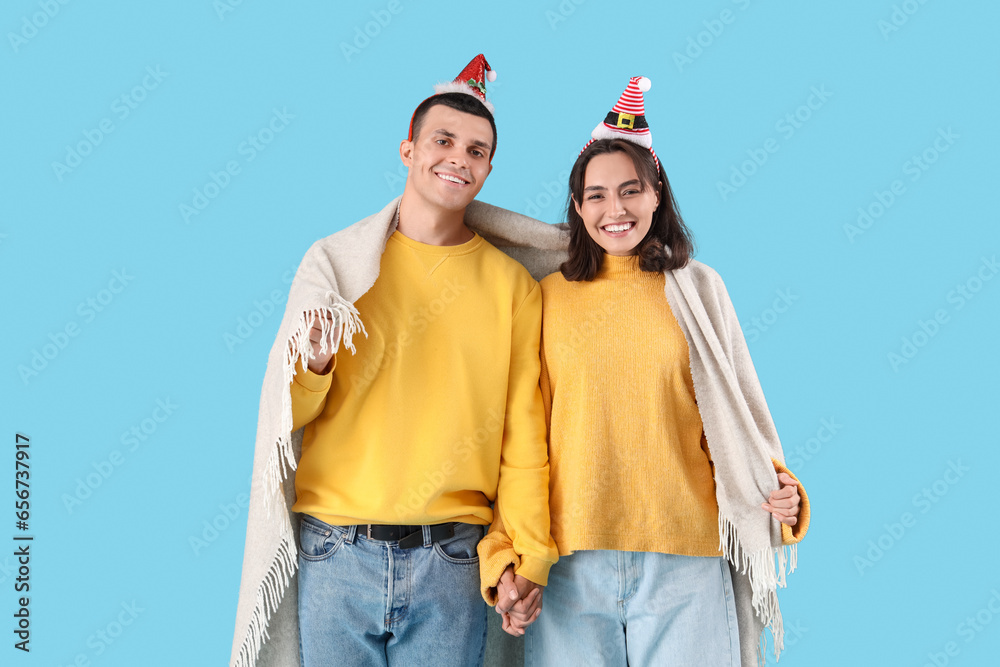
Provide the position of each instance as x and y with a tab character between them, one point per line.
432	225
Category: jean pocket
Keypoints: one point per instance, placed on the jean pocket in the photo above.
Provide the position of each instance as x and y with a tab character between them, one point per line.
460	549
317	540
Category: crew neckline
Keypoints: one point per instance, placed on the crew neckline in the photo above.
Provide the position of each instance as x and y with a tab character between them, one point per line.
461	249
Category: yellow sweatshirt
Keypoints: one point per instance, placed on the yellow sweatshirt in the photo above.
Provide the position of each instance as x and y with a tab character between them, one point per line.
439	413
630	468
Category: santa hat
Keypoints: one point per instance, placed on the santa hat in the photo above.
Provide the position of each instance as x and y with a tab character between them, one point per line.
627	118
471	80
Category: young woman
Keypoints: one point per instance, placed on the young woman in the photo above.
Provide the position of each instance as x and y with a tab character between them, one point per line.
659	438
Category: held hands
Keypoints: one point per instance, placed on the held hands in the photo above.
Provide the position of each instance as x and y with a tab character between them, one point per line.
783	504
519	601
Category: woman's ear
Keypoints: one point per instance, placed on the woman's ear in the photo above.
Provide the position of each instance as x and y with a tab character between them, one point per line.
576	205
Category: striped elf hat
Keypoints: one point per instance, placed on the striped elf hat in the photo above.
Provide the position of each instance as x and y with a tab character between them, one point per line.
627	118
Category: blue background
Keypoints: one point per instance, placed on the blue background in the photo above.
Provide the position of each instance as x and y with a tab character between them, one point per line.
831	304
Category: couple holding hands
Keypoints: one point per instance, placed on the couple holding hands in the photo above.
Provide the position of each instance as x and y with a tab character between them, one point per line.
597	441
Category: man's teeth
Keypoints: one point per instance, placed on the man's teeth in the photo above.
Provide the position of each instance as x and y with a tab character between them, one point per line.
453	179
614	229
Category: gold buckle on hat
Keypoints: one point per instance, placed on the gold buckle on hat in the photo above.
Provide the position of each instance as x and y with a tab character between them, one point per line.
626	121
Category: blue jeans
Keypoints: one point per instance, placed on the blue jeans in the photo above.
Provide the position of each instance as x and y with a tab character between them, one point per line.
633	608
367	602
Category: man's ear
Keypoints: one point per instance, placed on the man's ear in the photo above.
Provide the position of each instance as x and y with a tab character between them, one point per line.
406	152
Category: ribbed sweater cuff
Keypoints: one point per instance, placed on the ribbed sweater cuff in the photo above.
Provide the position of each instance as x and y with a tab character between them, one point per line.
313	382
491	566
534	569
794	534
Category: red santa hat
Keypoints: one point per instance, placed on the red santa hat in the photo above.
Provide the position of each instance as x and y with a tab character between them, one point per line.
471	81
627	118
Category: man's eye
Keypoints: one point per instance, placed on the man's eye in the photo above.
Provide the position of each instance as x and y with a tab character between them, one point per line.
477	153
442	142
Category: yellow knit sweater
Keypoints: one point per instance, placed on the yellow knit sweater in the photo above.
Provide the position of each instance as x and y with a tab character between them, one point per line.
630	468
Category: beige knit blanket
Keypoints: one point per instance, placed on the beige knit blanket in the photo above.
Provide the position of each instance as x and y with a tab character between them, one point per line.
337	270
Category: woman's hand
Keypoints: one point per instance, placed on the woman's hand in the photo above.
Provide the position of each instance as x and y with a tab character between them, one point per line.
519	602
783	504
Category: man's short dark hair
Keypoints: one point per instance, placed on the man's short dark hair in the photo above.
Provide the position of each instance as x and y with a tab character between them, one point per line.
458	101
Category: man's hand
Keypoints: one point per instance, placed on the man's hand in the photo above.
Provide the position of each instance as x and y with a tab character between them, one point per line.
320	363
783	504
519	601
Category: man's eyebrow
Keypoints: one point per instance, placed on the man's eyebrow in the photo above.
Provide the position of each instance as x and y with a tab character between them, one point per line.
452	135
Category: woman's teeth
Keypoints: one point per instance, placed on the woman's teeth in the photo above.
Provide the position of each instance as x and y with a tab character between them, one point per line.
614	229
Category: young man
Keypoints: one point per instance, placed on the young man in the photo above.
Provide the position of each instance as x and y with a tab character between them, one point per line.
410	440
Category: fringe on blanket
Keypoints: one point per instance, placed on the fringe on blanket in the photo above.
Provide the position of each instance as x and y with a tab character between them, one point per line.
766	570
341	313
269	595
282	461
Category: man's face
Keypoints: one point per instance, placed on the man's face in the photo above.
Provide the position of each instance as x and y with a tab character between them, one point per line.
450	159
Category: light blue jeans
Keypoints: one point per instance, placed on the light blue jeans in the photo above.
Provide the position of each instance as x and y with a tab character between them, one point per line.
367	602
633	608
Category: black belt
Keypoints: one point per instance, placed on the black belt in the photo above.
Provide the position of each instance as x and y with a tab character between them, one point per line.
408	536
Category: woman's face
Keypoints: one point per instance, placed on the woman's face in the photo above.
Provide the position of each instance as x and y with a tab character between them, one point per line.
616	210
